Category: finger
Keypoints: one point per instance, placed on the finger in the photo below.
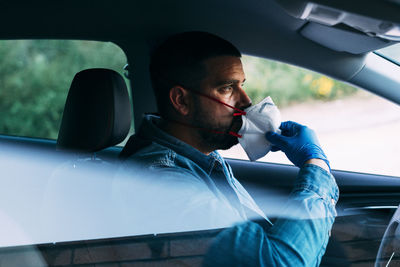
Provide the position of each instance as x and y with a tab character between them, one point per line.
275	148
276	139
290	128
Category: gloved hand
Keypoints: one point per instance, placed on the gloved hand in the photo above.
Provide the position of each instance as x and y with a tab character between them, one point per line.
298	142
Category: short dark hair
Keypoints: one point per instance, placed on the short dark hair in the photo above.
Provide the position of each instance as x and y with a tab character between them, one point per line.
179	61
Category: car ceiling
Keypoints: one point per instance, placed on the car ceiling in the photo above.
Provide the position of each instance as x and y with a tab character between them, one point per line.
257	27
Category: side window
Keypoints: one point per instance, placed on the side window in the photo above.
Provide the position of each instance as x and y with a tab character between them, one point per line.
35	76
356	129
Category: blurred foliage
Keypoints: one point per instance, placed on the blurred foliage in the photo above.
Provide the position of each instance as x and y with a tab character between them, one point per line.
288	84
35	76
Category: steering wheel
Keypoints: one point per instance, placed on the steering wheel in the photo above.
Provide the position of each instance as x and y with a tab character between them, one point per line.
389	250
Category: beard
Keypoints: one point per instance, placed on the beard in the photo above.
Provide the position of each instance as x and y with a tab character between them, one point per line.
214	134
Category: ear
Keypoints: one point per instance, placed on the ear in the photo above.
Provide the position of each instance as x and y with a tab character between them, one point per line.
180	99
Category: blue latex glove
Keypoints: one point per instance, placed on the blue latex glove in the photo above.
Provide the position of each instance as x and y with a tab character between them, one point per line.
298	142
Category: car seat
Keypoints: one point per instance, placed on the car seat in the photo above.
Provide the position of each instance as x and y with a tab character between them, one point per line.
97	112
77	203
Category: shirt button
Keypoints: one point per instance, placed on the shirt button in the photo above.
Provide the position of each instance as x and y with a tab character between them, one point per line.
332	201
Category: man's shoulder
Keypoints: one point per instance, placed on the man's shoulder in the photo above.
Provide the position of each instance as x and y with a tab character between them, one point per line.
164	165
154	154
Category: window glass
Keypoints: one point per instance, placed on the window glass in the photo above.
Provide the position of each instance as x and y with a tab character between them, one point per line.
355	135
35	76
392	53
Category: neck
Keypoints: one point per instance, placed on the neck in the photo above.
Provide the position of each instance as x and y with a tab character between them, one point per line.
186	134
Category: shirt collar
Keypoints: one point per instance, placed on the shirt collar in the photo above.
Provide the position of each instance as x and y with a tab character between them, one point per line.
149	130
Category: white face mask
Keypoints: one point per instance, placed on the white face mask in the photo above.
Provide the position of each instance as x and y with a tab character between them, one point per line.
259	119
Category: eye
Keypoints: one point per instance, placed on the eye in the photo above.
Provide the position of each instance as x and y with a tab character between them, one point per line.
225	89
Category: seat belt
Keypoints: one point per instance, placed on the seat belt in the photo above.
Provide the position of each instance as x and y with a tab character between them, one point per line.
134	144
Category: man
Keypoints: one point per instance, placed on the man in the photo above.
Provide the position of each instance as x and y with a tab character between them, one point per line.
198	83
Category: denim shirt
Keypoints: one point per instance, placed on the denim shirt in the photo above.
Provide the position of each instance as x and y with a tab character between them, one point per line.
213	177
212	193
298	238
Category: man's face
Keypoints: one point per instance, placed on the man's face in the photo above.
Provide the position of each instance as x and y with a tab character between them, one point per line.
224	81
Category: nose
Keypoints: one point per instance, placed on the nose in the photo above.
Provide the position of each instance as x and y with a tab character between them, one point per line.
244	99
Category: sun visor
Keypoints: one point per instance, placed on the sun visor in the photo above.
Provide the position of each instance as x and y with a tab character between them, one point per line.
342	39
354	27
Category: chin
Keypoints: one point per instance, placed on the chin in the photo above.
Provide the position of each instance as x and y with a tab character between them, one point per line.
230	142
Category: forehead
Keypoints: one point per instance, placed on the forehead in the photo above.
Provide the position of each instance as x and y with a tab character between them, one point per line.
224	68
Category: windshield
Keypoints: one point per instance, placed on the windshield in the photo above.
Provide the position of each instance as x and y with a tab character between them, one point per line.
392	53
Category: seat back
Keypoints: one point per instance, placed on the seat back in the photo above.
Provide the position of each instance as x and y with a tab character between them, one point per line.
77	202
97	112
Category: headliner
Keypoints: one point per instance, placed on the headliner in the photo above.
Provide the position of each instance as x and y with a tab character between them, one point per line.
257	27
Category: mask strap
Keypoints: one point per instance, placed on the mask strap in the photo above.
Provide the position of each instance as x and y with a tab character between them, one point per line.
239	111
209	130
230	133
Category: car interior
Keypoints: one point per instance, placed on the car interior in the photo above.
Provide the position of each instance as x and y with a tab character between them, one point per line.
334	38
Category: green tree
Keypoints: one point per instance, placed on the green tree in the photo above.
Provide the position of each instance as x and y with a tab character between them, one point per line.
288	84
35	76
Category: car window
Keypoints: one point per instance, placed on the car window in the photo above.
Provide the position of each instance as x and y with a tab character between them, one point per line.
35	76
391	52
348	121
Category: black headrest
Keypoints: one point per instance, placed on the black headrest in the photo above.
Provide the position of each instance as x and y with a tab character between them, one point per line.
97	112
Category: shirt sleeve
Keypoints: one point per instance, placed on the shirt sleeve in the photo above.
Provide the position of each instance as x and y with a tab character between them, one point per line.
298	238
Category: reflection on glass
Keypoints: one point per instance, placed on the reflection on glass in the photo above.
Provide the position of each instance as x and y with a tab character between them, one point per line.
389	251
